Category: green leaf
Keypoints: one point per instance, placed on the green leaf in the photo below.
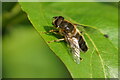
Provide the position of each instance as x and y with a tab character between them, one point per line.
101	60
24	47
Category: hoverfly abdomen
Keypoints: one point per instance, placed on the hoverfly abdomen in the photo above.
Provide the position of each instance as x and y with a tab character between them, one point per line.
81	42
82	45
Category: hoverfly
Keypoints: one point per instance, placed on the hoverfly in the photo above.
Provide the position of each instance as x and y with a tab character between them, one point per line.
71	35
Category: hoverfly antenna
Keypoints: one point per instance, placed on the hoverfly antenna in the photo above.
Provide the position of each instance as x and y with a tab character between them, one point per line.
55	17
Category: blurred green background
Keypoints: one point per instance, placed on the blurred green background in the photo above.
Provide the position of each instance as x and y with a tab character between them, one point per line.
25	54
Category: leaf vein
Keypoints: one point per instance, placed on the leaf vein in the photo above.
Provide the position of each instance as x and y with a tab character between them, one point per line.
102	62
91	61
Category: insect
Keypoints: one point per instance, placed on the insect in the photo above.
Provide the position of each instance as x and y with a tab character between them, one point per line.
106	36
72	36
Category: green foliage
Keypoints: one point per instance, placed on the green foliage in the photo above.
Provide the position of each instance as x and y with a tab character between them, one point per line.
25	55
24	52
101	60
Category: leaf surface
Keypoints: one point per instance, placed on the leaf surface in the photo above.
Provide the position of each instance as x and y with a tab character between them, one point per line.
101	60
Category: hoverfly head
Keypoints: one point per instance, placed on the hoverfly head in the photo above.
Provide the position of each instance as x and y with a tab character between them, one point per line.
57	20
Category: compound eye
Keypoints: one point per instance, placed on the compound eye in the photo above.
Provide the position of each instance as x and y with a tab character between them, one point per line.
61	17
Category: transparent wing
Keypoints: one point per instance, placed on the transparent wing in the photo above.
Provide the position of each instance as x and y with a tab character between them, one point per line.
74	48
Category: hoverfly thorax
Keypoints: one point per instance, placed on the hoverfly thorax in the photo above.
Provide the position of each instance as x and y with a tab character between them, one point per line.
60	22
57	21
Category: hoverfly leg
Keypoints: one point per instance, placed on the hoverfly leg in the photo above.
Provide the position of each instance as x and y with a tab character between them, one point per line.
77	24
82	32
81	25
56	40
43	32
50	31
53	31
81	59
